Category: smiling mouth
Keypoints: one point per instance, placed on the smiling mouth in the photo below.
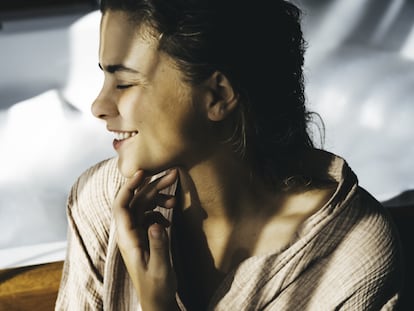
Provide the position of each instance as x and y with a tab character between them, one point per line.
119	136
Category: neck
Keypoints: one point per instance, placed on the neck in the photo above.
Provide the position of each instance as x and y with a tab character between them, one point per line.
222	187
221	212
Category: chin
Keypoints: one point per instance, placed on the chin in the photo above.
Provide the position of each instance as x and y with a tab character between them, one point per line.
127	169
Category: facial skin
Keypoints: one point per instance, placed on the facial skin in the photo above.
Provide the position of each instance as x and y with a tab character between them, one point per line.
144	96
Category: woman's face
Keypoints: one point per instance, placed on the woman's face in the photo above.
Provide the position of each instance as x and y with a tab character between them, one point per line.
156	118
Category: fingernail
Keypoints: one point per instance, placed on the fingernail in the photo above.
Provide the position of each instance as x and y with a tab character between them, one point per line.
171	170
156	231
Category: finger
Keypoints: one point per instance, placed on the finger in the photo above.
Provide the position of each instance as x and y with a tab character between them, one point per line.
166	180
137	239
165	200
147	198
153	217
159	261
161	183
130	206
125	224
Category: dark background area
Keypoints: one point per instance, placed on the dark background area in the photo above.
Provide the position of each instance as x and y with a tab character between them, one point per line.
17	9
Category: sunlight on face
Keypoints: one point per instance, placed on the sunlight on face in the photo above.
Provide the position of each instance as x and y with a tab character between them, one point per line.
145	101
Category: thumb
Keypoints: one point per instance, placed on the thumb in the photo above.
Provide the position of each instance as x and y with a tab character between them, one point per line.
159	261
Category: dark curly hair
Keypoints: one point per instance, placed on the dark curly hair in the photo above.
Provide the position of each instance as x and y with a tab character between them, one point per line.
259	46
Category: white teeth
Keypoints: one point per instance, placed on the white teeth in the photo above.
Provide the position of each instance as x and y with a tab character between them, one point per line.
124	135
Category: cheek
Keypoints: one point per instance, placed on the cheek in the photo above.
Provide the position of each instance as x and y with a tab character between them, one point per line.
130	108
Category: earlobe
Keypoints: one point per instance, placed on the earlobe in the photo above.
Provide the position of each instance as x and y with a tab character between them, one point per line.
225	98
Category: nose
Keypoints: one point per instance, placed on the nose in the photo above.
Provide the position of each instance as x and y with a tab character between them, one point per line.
104	106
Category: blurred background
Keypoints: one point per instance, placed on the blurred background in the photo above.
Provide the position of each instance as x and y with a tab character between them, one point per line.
359	77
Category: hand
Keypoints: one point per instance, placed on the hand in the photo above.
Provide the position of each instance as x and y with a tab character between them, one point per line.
143	240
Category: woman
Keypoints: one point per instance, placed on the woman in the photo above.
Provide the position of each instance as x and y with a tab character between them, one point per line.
217	199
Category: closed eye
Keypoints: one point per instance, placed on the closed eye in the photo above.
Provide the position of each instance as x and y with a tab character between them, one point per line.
123	86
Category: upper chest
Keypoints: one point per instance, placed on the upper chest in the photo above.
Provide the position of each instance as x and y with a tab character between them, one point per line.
204	255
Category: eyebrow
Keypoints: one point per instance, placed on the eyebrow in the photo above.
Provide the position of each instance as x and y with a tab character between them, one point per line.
117	68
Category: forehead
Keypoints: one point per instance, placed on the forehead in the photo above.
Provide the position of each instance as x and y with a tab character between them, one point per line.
122	42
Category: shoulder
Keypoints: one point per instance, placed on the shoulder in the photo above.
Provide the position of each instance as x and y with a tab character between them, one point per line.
105	170
89	220
370	231
359	223
97	186
357	256
368	256
373	223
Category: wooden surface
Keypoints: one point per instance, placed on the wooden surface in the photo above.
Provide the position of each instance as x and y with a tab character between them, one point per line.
31	288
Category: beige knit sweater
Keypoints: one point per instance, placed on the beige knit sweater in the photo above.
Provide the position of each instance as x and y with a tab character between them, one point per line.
344	257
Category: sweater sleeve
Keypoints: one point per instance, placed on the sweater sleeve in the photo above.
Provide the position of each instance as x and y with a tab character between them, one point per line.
377	261
364	270
89	216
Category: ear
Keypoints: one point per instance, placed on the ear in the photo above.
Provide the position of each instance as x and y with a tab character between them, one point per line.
224	99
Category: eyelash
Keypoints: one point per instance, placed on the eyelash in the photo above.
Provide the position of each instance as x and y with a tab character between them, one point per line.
123	86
